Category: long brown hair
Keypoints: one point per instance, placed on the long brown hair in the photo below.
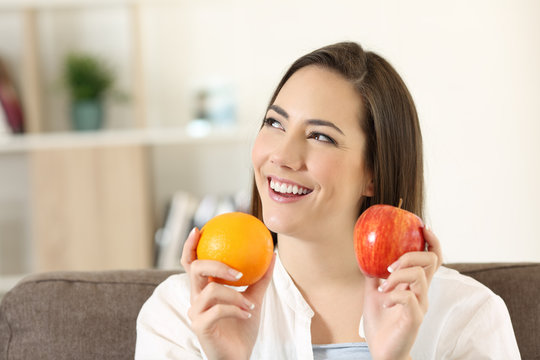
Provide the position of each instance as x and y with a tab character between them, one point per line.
393	153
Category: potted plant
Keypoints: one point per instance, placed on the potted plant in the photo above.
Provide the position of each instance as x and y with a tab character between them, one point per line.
87	79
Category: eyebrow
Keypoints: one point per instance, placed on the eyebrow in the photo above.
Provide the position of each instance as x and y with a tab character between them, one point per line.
316	122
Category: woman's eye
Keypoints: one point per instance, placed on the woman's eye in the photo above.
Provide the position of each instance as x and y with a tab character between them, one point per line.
273	123
322	137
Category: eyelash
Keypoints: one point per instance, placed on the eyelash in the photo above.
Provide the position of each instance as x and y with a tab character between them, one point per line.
271	121
313	135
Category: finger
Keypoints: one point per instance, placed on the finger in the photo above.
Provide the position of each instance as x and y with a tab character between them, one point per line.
202	270
425	259
412	279
189	252
434	244
406	303
405	298
204	322
214	294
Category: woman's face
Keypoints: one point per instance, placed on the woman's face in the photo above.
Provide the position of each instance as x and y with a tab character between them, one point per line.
308	157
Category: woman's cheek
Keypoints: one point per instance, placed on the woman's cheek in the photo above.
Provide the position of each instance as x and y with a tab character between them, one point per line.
256	153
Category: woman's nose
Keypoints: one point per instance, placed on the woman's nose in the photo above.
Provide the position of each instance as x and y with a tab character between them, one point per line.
289	153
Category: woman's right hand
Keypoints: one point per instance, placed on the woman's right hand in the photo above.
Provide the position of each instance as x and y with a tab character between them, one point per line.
225	320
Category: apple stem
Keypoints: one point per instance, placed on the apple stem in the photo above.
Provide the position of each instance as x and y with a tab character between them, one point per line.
400	203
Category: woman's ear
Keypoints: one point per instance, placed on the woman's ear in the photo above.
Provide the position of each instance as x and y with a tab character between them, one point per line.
369	188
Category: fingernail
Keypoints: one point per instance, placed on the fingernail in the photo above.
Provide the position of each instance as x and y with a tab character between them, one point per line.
248	315
191	232
236	274
392	267
249	304
382	287
427	227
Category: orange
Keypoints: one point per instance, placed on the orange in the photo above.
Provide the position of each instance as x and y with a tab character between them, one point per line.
240	241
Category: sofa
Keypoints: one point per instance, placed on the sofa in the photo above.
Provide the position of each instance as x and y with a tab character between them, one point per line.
92	315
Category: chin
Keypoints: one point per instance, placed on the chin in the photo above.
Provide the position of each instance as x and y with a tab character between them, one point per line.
278	223
273	223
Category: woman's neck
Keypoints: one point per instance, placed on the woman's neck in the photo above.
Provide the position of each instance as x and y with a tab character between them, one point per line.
316	264
326	273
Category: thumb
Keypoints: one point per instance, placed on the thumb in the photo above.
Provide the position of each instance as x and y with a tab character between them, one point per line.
256	291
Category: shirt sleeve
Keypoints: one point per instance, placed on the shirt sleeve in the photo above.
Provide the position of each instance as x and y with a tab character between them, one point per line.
488	334
163	327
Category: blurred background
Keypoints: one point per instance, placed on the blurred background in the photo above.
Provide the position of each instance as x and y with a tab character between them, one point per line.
114	179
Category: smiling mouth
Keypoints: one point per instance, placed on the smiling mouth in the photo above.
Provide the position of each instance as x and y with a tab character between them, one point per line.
287	189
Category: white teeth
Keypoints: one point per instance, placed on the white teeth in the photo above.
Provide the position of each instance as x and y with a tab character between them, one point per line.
287	188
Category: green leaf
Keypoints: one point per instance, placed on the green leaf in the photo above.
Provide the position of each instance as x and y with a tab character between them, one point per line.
86	76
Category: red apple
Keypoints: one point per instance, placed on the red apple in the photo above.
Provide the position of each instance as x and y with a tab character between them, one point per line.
382	234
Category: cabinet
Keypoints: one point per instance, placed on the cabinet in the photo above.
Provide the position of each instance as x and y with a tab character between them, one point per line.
90	208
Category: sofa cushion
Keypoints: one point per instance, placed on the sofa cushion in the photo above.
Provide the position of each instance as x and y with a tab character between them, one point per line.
75	315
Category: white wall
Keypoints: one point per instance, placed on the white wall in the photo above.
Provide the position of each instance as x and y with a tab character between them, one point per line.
473	68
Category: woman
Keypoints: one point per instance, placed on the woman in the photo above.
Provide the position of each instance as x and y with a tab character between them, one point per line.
340	134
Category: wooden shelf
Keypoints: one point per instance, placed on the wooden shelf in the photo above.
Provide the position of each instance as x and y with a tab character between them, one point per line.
149	137
17	5
51	4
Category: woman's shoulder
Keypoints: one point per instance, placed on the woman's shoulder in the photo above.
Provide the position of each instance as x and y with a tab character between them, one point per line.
460	308
176	287
179	280
450	283
170	296
163	325
459	299
455	298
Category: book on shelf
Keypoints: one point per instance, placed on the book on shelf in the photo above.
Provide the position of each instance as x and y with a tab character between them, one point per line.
10	104
184	212
178	223
4	127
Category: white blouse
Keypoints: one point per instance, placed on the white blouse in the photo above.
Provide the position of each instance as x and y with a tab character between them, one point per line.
465	320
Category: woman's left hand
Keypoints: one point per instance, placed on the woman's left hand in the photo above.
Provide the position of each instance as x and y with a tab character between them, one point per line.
395	309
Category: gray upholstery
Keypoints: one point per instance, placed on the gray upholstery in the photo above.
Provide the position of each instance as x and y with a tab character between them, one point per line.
92	315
